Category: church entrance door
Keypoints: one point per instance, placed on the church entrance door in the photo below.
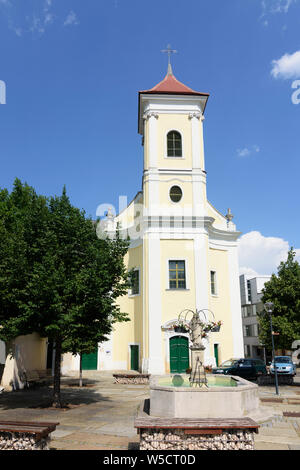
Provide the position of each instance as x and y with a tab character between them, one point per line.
179	354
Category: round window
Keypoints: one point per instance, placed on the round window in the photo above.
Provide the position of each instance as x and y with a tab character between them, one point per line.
175	193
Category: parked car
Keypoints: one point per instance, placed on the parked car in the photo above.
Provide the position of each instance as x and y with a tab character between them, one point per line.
246	368
284	366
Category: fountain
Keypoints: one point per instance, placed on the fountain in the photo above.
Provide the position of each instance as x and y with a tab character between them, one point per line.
199	394
192	411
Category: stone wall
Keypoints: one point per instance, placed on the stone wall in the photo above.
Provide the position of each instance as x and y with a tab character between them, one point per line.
21	441
176	439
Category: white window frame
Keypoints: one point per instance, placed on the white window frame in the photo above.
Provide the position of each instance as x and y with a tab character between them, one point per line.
169	190
215	282
187	286
129	353
130	290
166	145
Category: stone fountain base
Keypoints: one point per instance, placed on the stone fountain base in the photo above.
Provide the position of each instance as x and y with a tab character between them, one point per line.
202	402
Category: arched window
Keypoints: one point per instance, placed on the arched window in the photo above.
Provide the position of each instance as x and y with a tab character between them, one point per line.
174	144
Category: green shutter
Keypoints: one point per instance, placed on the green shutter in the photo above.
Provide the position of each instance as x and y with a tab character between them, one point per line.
179	354
134	357
216	353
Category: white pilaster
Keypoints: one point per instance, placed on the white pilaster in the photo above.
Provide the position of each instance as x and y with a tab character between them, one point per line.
152	138
155	361
201	272
151	165
201	277
196	150
199	183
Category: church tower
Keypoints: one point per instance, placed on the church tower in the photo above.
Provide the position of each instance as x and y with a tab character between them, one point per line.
174	186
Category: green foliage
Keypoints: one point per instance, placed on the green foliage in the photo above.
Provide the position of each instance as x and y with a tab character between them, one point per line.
283	290
57	278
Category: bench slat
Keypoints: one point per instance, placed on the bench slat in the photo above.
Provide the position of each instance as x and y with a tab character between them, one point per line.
26	427
209	423
29	423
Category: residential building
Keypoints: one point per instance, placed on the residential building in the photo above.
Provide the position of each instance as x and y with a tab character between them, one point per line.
251	293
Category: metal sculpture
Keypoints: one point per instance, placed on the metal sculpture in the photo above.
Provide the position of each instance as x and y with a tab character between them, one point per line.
198	328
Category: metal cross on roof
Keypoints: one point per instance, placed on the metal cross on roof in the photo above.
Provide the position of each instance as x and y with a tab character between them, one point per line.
169	51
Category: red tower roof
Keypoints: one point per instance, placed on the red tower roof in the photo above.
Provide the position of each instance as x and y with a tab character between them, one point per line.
170	85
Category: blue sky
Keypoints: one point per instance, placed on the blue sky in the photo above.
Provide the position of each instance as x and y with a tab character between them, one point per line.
73	68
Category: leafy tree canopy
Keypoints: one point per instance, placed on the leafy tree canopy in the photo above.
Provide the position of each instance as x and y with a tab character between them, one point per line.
283	290
57	278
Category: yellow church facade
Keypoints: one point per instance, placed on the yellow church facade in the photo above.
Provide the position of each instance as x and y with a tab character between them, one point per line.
183	252
182	255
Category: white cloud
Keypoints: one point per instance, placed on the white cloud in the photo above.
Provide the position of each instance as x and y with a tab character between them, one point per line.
281	6
276	6
71	19
246	152
259	255
270	8
288	66
243	152
37	25
38	18
18	31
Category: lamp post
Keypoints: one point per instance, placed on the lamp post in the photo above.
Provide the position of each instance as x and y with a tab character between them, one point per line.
269	308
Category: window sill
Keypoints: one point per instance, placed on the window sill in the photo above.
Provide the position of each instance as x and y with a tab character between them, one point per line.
177	288
174	158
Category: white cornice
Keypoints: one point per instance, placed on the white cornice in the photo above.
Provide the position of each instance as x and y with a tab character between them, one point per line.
170	104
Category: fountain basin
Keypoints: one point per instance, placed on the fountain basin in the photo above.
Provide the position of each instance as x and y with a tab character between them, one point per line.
225	397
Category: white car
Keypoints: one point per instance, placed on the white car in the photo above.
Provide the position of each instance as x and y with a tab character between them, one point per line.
284	366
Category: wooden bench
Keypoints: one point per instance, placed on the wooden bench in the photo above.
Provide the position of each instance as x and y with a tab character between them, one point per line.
195	434
25	435
128	378
35	377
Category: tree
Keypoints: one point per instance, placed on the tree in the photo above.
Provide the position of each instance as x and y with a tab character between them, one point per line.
284	291
57	278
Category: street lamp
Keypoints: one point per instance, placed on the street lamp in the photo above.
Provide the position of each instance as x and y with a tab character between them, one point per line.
269	308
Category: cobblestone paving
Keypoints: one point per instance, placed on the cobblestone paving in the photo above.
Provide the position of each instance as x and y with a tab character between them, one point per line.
103	418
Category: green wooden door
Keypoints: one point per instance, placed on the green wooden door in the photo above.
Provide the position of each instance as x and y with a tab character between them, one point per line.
134	357
90	361
179	354
216	353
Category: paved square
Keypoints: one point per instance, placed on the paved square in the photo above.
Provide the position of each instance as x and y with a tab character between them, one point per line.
104	417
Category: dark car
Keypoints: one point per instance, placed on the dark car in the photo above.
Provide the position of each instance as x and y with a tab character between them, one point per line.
246	368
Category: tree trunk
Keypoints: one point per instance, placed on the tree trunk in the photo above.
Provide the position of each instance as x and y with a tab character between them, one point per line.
80	370
56	380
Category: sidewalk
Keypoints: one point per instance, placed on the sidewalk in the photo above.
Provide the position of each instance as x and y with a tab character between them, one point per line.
101	414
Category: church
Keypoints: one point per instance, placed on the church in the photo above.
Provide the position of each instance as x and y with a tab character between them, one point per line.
183	252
